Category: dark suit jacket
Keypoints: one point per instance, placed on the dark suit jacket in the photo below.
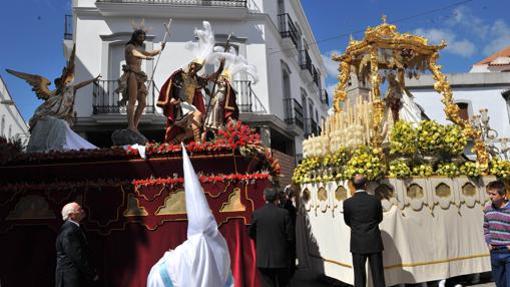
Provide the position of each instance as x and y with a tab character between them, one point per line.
363	213
272	230
73	263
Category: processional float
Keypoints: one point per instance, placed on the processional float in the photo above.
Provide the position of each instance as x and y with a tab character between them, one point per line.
133	195
432	195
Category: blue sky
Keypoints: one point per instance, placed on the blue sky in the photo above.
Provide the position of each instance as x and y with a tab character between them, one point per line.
33	33
473	29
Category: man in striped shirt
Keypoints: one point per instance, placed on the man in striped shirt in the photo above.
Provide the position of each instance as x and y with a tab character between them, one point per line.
496	229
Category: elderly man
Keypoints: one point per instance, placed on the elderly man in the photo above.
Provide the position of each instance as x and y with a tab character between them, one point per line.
73	265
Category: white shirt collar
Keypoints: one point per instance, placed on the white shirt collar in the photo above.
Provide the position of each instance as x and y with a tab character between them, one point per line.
70	220
360	190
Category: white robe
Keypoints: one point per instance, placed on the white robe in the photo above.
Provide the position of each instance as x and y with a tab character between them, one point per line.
51	133
50	125
409	111
203	259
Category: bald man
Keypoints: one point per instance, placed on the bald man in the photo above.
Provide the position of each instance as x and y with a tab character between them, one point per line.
73	265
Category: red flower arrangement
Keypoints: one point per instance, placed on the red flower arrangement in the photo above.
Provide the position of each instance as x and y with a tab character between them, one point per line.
235	138
74	155
9	149
63	186
203	179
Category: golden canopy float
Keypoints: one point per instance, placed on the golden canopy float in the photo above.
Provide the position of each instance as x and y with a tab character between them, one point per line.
432	195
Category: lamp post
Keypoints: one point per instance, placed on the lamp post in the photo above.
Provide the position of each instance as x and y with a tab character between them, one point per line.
489	135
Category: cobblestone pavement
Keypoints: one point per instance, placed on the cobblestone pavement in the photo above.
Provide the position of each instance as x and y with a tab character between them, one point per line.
305	278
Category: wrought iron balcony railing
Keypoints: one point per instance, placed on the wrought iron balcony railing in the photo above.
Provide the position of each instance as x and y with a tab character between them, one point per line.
324	96
247	101
316	74
210	3
68	27
305	62
288	29
293	112
106	100
311	127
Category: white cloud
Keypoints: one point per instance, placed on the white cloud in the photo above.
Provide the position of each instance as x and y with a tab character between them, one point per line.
500	37
464	47
472	24
331	66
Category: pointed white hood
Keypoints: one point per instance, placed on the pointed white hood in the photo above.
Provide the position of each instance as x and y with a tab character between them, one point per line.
203	259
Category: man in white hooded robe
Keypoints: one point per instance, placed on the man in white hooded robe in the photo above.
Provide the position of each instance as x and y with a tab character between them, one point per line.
203	259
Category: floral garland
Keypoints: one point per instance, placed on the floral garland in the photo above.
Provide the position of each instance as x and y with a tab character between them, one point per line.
63	186
425	150
203	179
73	155
9	149
235	138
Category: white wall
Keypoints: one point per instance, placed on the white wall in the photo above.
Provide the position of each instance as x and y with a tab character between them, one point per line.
11	122
477	97
259	29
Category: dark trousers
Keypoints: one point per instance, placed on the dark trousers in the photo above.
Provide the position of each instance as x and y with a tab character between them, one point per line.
274	277
376	266
500	263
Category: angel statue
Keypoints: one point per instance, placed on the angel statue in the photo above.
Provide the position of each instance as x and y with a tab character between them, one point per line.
181	95
50	126
222	106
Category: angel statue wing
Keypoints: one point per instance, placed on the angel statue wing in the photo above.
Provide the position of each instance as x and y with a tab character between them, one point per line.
39	83
68	71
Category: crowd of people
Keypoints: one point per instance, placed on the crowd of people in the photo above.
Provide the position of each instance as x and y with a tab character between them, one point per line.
272	229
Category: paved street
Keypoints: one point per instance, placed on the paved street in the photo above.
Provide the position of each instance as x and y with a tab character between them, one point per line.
305	278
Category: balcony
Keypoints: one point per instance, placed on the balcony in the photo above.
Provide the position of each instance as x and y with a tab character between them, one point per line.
305	62
311	127
106	100
210	9
208	3
247	101
293	112
316	74
287	29
324	97
68	27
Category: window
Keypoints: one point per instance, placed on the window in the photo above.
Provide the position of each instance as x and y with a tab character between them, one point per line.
506	96
10	131
281	7
2	129
303	102
286	81
464	111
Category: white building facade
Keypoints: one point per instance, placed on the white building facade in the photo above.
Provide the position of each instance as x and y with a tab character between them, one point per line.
12	124
286	104
486	86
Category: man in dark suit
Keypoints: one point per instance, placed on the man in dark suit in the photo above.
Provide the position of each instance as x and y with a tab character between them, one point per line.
272	230
363	213
73	263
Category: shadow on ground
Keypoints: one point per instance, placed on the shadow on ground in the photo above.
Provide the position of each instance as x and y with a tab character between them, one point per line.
309	278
